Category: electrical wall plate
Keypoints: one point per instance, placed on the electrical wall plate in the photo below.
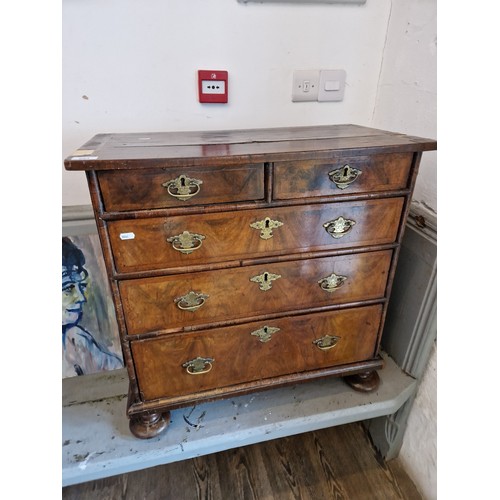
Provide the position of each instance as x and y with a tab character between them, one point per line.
212	86
331	85
305	85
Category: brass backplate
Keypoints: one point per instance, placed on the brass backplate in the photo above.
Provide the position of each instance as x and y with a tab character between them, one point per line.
265	333
266	227
265	280
183	188
344	176
339	227
332	282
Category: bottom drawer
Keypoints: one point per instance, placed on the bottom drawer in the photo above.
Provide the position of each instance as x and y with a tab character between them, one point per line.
253	351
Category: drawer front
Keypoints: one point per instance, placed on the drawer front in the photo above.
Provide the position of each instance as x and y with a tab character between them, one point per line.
347	175
253	351
160	243
179	187
184	300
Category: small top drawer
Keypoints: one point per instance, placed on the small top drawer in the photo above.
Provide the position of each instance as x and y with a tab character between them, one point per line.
178	187
343	175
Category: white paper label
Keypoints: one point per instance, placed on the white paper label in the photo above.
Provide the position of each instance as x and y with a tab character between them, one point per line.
73	158
127	236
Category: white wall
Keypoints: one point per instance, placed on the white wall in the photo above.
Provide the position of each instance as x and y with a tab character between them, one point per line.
419	451
136	63
406	102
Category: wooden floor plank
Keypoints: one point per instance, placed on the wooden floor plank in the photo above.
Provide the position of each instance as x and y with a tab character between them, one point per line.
334	463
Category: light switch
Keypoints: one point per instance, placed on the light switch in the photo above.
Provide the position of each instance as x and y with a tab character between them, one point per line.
331	85
305	85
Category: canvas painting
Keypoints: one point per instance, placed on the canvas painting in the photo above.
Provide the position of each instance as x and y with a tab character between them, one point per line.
90	339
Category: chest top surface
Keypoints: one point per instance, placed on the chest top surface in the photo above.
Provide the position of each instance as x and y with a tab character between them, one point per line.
142	150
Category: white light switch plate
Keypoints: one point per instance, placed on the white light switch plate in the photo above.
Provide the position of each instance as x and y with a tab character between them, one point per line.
331	85
305	85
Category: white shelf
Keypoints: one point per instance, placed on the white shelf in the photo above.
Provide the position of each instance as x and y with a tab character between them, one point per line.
97	442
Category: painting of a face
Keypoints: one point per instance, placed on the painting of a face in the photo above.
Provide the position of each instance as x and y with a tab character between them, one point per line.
74	286
90	339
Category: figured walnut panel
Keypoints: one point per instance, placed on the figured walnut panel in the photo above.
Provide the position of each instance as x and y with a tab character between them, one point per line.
241	357
228	235
149	303
143	189
309	178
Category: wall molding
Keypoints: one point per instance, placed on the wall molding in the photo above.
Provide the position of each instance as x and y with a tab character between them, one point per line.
78	220
411	324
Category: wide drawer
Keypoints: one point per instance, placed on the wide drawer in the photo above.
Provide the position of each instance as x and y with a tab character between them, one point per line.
254	351
184	300
179	187
344	175
161	243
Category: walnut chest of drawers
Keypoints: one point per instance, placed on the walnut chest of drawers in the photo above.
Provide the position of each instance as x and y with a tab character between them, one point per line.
248	259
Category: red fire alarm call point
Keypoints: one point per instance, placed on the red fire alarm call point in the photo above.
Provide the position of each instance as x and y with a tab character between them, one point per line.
212	86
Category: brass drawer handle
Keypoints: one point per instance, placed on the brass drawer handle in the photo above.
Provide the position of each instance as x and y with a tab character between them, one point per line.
265	333
198	366
186	242
339	227
265	280
332	282
344	176
183	188
327	342
191	301
266	227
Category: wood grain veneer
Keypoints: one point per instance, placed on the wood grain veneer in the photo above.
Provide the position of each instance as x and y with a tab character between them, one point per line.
327	229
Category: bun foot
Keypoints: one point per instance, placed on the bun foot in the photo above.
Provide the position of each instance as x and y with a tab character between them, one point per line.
364	382
149	425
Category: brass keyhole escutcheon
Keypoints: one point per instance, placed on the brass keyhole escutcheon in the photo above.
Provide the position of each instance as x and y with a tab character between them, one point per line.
183	187
265	280
265	333
343	177
266	227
